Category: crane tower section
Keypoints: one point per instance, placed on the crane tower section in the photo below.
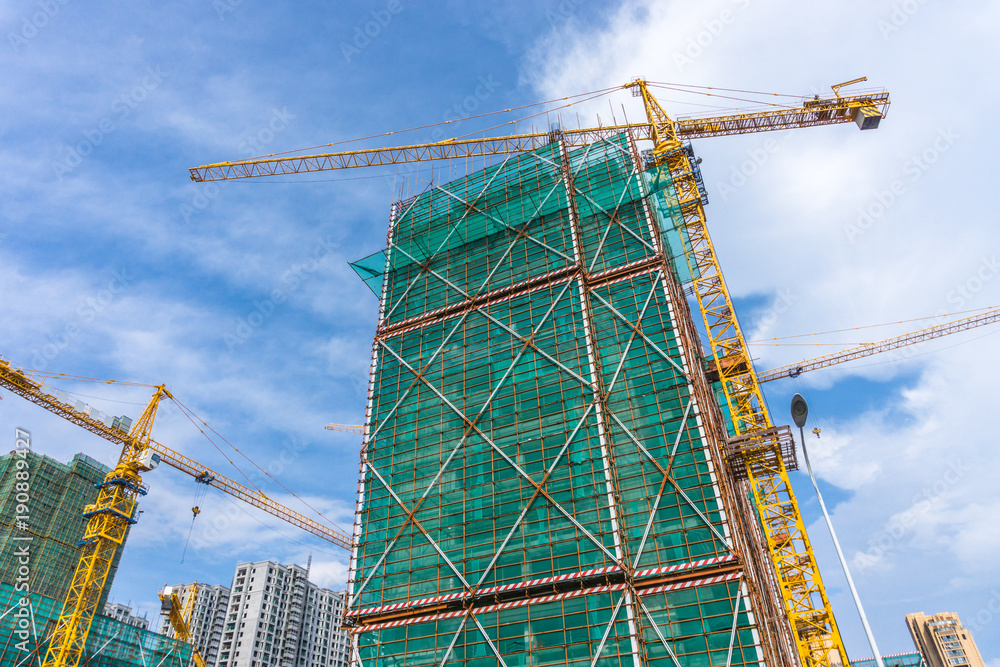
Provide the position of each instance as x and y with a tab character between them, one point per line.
541	476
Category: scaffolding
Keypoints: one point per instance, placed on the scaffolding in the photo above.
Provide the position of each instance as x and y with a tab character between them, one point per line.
57	495
24	636
541	479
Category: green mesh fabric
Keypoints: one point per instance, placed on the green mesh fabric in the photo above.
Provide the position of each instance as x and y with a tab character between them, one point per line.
371	269
515	298
58	493
110	643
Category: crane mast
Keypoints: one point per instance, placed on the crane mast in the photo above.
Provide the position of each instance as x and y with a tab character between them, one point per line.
108	520
758	442
806	603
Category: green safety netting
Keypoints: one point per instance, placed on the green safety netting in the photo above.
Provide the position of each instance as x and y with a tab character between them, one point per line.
491	463
110	643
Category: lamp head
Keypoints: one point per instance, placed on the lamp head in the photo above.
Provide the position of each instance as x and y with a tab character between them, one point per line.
799	410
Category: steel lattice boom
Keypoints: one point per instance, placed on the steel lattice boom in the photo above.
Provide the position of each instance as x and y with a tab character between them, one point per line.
868	349
346	428
23	385
814	112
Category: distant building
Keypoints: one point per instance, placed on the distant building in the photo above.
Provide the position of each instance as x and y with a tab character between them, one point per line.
57	494
943	640
123	613
209	612
277	618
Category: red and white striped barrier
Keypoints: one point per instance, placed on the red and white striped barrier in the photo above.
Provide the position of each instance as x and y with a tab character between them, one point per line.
549	580
705	581
689	584
540	582
684	566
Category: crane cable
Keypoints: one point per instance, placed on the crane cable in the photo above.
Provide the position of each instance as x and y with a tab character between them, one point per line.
698	89
191	415
593	94
79	378
588	96
461	136
199	497
762	341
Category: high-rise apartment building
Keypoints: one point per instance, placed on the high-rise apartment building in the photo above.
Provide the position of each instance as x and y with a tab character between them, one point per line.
277	618
123	614
943	640
57	494
207	617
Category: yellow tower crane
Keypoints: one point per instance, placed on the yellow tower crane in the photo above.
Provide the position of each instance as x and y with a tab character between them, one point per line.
807	607
108	520
180	616
115	508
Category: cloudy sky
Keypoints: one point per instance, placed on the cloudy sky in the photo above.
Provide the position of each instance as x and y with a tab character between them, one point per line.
239	298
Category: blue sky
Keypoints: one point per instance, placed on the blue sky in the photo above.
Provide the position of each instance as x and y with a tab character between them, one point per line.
239	298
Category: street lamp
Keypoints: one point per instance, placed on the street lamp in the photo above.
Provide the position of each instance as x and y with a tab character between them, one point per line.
800	410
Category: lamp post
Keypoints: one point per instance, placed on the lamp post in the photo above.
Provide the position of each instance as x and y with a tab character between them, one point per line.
800	410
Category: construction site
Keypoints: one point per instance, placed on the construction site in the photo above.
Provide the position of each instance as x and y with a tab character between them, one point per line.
566	456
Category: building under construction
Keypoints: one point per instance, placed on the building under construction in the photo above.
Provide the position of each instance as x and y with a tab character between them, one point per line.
56	500
25	637
541	481
57	496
